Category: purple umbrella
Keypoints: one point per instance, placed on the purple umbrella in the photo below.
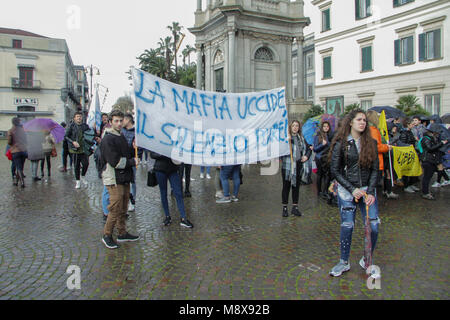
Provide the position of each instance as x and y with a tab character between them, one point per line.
43	124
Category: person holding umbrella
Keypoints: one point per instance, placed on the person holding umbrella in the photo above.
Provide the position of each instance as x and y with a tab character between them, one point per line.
321	147
354	164
17	140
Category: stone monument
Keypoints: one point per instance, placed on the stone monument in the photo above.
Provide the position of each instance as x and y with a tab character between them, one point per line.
246	46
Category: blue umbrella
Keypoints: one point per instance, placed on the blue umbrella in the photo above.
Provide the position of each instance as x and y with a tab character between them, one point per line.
309	129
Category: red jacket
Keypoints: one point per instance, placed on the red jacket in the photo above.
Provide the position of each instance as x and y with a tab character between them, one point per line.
382	148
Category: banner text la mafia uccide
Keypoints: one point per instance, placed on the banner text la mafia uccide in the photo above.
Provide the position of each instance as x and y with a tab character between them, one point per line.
209	128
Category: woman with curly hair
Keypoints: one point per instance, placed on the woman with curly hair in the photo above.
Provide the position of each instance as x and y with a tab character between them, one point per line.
354	164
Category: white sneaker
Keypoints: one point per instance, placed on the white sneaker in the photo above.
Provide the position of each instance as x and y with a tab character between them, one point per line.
202	175
219	194
415	188
208	176
78	184
445	183
130	207
84	181
436	185
392	195
192	179
409	190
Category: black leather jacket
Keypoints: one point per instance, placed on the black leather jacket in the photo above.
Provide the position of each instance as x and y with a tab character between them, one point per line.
72	134
431	152
346	170
163	163
407	137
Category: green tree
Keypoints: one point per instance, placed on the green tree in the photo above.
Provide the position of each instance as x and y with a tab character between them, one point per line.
187	75
124	104
351	107
410	105
314	111
175	28
166	52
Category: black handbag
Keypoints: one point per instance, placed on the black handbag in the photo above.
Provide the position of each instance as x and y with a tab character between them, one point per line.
151	179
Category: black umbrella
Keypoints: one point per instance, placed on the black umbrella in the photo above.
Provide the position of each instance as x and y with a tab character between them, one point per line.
446	118
390	112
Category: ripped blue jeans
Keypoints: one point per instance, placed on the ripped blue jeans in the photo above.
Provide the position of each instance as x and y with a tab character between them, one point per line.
347	210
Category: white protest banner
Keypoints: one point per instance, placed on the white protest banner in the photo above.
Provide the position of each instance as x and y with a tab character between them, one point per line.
209	128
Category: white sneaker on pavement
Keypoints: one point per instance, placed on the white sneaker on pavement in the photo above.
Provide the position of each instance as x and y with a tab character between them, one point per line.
436	185
409	189
445	183
208	176
202	175
78	184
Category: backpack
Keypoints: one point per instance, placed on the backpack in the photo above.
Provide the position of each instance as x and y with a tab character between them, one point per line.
419	144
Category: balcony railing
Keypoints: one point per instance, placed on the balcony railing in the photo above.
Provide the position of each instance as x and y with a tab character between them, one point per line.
25	84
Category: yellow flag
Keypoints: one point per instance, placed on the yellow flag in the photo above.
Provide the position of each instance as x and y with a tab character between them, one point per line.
406	162
382	126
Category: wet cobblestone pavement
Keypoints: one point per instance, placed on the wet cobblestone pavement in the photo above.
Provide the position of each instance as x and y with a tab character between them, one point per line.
242	250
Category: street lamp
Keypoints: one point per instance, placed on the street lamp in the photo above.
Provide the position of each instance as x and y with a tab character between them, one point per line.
90	71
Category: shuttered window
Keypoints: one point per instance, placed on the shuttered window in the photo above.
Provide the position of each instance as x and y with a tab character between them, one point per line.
326	25
430	45
366	58
404	51
327	67
398	3
362	9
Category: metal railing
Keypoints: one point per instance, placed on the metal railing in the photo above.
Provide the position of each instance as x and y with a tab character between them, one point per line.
25	84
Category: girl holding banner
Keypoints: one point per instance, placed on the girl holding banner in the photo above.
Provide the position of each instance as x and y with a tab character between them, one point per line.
354	164
292	167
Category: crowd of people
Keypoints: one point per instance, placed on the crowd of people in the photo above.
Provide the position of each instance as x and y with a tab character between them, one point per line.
351	162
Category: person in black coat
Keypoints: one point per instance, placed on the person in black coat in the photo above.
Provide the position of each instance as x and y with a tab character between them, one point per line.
431	157
165	170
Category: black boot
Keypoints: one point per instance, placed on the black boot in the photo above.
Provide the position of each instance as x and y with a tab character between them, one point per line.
187	194
296	212
285	211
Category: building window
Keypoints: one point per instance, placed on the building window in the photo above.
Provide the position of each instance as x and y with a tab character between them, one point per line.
310	62
218	58
366	59
433	103
430	45
404	50
362	9
326	20
26	77
219	80
398	3
366	104
294	65
79	76
264	54
17	44
327	67
310	91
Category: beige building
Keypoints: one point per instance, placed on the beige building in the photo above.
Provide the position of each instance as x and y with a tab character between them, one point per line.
38	79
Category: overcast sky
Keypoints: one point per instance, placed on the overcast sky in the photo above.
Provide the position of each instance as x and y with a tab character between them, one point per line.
107	34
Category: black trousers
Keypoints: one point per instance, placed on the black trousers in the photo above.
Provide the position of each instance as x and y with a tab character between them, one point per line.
323	175
287	187
81	160
47	157
428	170
185	169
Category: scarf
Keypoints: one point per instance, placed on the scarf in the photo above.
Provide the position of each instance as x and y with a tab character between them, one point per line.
298	150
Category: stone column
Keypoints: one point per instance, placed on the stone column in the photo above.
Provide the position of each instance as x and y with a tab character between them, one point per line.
198	47
209	4
289	82
199	5
300	67
231	55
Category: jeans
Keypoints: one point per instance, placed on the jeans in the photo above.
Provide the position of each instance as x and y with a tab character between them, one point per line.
208	170
175	183
18	162
105	200
34	168
227	172
133	185
347	210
